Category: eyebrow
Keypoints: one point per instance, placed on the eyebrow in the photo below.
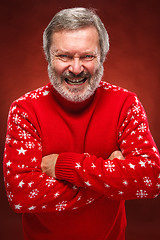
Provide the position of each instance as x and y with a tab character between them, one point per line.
69	53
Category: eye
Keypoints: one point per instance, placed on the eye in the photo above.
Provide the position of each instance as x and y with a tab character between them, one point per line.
64	57
88	57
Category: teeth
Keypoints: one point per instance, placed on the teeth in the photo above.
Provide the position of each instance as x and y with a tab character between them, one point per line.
75	81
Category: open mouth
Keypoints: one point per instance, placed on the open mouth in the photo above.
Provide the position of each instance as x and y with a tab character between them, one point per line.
75	81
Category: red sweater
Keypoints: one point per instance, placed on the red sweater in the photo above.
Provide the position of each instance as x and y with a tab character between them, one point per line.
86	200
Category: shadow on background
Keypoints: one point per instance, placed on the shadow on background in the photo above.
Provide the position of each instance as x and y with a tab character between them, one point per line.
132	63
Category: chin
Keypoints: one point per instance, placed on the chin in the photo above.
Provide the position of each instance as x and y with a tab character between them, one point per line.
76	95
72	94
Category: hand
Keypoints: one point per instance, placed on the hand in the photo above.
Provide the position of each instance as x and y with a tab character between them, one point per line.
48	164
116	154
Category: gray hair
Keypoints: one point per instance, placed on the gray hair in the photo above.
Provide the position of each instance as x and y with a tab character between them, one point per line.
72	19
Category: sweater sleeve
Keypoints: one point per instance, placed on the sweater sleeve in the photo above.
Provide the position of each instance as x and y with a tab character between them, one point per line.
136	177
27	188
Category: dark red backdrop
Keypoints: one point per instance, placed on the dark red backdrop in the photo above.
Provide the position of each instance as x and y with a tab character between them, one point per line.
133	63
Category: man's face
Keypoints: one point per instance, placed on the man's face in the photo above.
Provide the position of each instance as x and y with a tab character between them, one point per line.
75	70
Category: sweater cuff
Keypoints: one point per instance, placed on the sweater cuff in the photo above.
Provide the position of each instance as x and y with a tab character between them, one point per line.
65	166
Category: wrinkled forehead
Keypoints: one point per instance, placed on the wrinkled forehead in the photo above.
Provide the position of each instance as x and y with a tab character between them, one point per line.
83	38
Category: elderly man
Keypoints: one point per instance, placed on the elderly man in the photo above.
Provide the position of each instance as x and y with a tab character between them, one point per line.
78	147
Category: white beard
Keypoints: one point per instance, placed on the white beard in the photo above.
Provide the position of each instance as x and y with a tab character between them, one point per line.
71	94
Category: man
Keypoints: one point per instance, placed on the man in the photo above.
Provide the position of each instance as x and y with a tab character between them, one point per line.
78	147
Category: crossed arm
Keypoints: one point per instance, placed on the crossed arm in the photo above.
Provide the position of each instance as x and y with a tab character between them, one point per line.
49	162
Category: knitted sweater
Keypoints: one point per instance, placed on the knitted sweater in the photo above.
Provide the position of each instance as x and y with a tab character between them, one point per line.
86	199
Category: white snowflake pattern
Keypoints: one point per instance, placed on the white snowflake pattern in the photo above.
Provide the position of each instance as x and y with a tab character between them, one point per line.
120	134
88	183
125	182
74	187
56	194
133	132
30	184
44	206
16	119
135	122
128	113
8	172
109	166
120	192
154	149
22	166
30	145
21	183
8	139
9	127
45	93
50	182
124	141
24	115
93	165
142	127
136	109
61	206
13	108
136	100
10	196
35	94
141	194
5	154
17	176
74	208
79	198
145	155
106	185
136	151
33	193
158	185
39	146
147	181
42	175
21	98
23	134
90	200
78	165
140	137
87	154
151	163
143	115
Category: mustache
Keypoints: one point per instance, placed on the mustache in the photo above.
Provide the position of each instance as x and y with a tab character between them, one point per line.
71	75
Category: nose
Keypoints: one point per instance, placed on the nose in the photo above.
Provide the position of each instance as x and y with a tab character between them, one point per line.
76	66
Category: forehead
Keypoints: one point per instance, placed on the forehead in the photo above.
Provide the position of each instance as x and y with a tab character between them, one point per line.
83	39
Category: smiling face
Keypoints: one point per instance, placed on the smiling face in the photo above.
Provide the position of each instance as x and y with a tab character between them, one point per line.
75	70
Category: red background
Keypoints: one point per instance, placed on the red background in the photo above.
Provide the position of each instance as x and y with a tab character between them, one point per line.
132	63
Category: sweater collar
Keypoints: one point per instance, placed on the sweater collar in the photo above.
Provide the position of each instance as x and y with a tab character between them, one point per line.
72	107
